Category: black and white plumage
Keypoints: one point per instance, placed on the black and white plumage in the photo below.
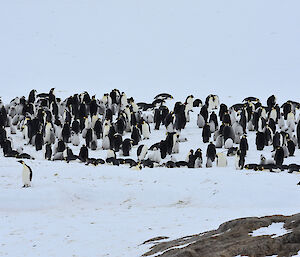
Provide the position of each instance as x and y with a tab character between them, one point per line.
211	152
240	160
26	174
141	152
45	120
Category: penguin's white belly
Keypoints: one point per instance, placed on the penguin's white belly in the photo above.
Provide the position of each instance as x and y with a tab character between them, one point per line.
143	153
26	176
145	131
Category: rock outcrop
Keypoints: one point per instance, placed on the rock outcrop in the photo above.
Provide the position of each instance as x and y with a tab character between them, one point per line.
235	238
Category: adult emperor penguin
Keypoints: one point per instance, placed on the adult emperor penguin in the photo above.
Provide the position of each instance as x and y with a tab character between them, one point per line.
189	102
260	141
49	134
126	146
240	160
291	147
26	174
145	130
206	134
244	147
141	152
123	101
211	152
48	152
279	156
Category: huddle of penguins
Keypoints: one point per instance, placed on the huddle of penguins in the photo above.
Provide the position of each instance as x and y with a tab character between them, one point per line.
51	124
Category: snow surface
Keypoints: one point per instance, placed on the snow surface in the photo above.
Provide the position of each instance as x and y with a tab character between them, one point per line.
234	49
275	230
107	211
77	210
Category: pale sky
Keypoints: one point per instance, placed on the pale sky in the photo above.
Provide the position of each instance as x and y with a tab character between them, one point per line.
147	47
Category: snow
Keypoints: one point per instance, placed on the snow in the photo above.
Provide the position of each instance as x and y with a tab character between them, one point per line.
275	230
108	211
233	49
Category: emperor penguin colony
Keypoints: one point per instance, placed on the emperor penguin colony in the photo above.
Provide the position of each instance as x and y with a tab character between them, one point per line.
118	130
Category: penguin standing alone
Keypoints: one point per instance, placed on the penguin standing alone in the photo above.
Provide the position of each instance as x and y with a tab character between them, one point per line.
26	174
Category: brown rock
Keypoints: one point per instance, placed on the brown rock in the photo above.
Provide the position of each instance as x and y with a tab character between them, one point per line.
233	238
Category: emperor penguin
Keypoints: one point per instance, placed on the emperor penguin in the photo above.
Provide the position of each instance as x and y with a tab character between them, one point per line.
244	147
212	102
39	141
240	160
279	156
49	136
168	121
219	141
211	152
263	160
137	166
221	160
271	101
228	143
281	123
110	154
26	174
189	102
189	155
48	151
83	153
273	114
260	141
145	130
123	101
200	121
291	147
106	127
105	143
141	152
291	120
75	140
154	155
126	146
198	162
95	117
208	163
106	99
206	134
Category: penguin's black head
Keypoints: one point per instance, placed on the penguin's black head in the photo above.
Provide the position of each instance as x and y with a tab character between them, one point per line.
22	162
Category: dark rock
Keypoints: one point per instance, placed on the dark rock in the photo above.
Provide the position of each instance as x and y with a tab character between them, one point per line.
234	238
